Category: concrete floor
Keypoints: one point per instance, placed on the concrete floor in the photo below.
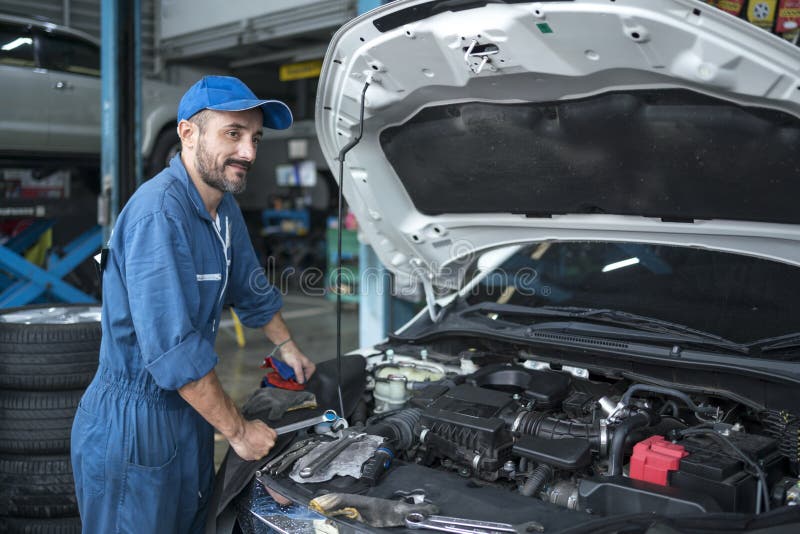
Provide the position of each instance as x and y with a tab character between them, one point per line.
312	321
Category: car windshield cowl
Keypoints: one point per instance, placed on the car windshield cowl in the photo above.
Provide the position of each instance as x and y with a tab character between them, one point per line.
671	332
786	341
729	298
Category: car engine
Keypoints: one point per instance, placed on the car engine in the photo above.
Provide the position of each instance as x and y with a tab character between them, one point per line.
580	441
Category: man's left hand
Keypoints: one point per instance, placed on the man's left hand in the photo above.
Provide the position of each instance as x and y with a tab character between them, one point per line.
299	362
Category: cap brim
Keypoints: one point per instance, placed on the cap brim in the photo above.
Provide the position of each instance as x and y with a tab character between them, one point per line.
277	115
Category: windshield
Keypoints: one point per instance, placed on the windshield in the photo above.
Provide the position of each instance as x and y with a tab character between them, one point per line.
736	297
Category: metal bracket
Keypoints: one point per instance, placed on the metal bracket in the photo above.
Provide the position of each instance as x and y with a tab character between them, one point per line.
484	53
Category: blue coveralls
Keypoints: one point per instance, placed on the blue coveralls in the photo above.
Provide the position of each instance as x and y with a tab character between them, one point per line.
143	459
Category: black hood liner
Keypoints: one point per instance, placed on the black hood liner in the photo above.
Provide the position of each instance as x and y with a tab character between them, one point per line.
418	12
673	154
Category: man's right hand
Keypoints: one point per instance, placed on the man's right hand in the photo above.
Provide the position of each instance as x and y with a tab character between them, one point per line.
254	441
251	440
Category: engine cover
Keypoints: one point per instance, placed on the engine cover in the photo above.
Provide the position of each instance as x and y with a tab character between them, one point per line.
466	425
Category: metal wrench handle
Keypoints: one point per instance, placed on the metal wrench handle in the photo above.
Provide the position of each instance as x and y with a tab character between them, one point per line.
422	524
328	417
472	523
456	525
328	456
288	458
439	528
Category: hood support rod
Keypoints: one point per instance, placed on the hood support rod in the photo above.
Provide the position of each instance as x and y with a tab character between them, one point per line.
342	153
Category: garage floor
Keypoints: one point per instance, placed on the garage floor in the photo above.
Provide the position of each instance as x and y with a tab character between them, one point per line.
312	321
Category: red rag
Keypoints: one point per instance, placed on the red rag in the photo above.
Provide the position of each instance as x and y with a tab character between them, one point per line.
276	378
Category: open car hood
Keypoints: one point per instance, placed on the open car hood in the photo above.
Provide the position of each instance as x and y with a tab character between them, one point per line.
494	123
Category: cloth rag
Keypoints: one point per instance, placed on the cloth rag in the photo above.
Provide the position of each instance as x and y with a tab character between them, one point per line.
347	463
280	375
373	511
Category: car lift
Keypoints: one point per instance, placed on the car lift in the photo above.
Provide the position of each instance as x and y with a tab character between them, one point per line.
24	282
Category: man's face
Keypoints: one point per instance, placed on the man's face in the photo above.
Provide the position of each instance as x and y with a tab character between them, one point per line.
226	148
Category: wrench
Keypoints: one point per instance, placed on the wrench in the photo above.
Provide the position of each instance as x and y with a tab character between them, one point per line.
286	459
328	456
329	416
456	525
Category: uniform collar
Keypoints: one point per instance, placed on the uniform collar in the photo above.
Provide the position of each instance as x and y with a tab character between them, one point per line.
177	167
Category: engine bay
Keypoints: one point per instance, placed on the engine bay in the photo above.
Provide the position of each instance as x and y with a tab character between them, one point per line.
586	443
543	439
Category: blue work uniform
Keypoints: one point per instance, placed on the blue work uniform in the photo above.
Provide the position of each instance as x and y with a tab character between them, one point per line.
143	458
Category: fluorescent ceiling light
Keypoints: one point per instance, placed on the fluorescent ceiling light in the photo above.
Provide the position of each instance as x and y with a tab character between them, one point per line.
620	264
16	43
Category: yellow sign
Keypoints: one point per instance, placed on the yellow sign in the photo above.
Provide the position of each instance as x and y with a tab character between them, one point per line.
298	71
762	12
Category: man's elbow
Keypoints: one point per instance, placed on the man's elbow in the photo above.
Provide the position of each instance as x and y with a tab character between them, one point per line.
197	387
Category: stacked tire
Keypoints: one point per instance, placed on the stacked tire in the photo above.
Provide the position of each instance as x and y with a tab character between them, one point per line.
48	355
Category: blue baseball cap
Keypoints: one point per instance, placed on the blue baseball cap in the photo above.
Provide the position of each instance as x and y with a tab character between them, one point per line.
226	93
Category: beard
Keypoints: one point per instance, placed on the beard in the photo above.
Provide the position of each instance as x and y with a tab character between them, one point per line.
214	175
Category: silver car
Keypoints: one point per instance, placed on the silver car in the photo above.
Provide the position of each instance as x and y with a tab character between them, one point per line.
50	82
599	199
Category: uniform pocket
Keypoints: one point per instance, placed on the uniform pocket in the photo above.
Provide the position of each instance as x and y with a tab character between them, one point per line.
152	478
150	497
89	448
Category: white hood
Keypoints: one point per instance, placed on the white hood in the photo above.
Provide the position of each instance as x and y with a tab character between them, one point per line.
418	55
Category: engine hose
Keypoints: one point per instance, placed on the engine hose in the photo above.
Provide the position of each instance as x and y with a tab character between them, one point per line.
538	478
398	428
670	405
621	433
626	397
541	425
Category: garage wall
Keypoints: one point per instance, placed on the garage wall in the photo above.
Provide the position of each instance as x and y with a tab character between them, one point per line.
179	17
198	29
84	15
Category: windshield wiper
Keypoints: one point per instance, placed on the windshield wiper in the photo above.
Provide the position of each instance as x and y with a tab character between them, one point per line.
676	332
785	341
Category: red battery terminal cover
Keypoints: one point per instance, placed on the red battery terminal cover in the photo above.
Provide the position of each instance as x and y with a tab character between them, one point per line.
654	458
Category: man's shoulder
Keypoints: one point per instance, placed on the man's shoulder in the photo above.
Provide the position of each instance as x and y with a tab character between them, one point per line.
163	195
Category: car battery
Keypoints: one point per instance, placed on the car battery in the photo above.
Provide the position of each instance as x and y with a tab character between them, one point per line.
713	468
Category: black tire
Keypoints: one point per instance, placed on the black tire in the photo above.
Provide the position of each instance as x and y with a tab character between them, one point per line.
37	422
49	356
37	486
167	145
63	525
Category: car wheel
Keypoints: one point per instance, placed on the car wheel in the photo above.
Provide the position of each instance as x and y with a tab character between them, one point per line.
166	146
49	347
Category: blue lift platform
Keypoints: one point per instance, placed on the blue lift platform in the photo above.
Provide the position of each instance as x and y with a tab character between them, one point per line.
23	282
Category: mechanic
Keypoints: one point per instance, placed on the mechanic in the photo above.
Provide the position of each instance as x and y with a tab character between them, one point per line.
143	436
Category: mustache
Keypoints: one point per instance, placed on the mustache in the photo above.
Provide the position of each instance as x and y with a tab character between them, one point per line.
240	162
